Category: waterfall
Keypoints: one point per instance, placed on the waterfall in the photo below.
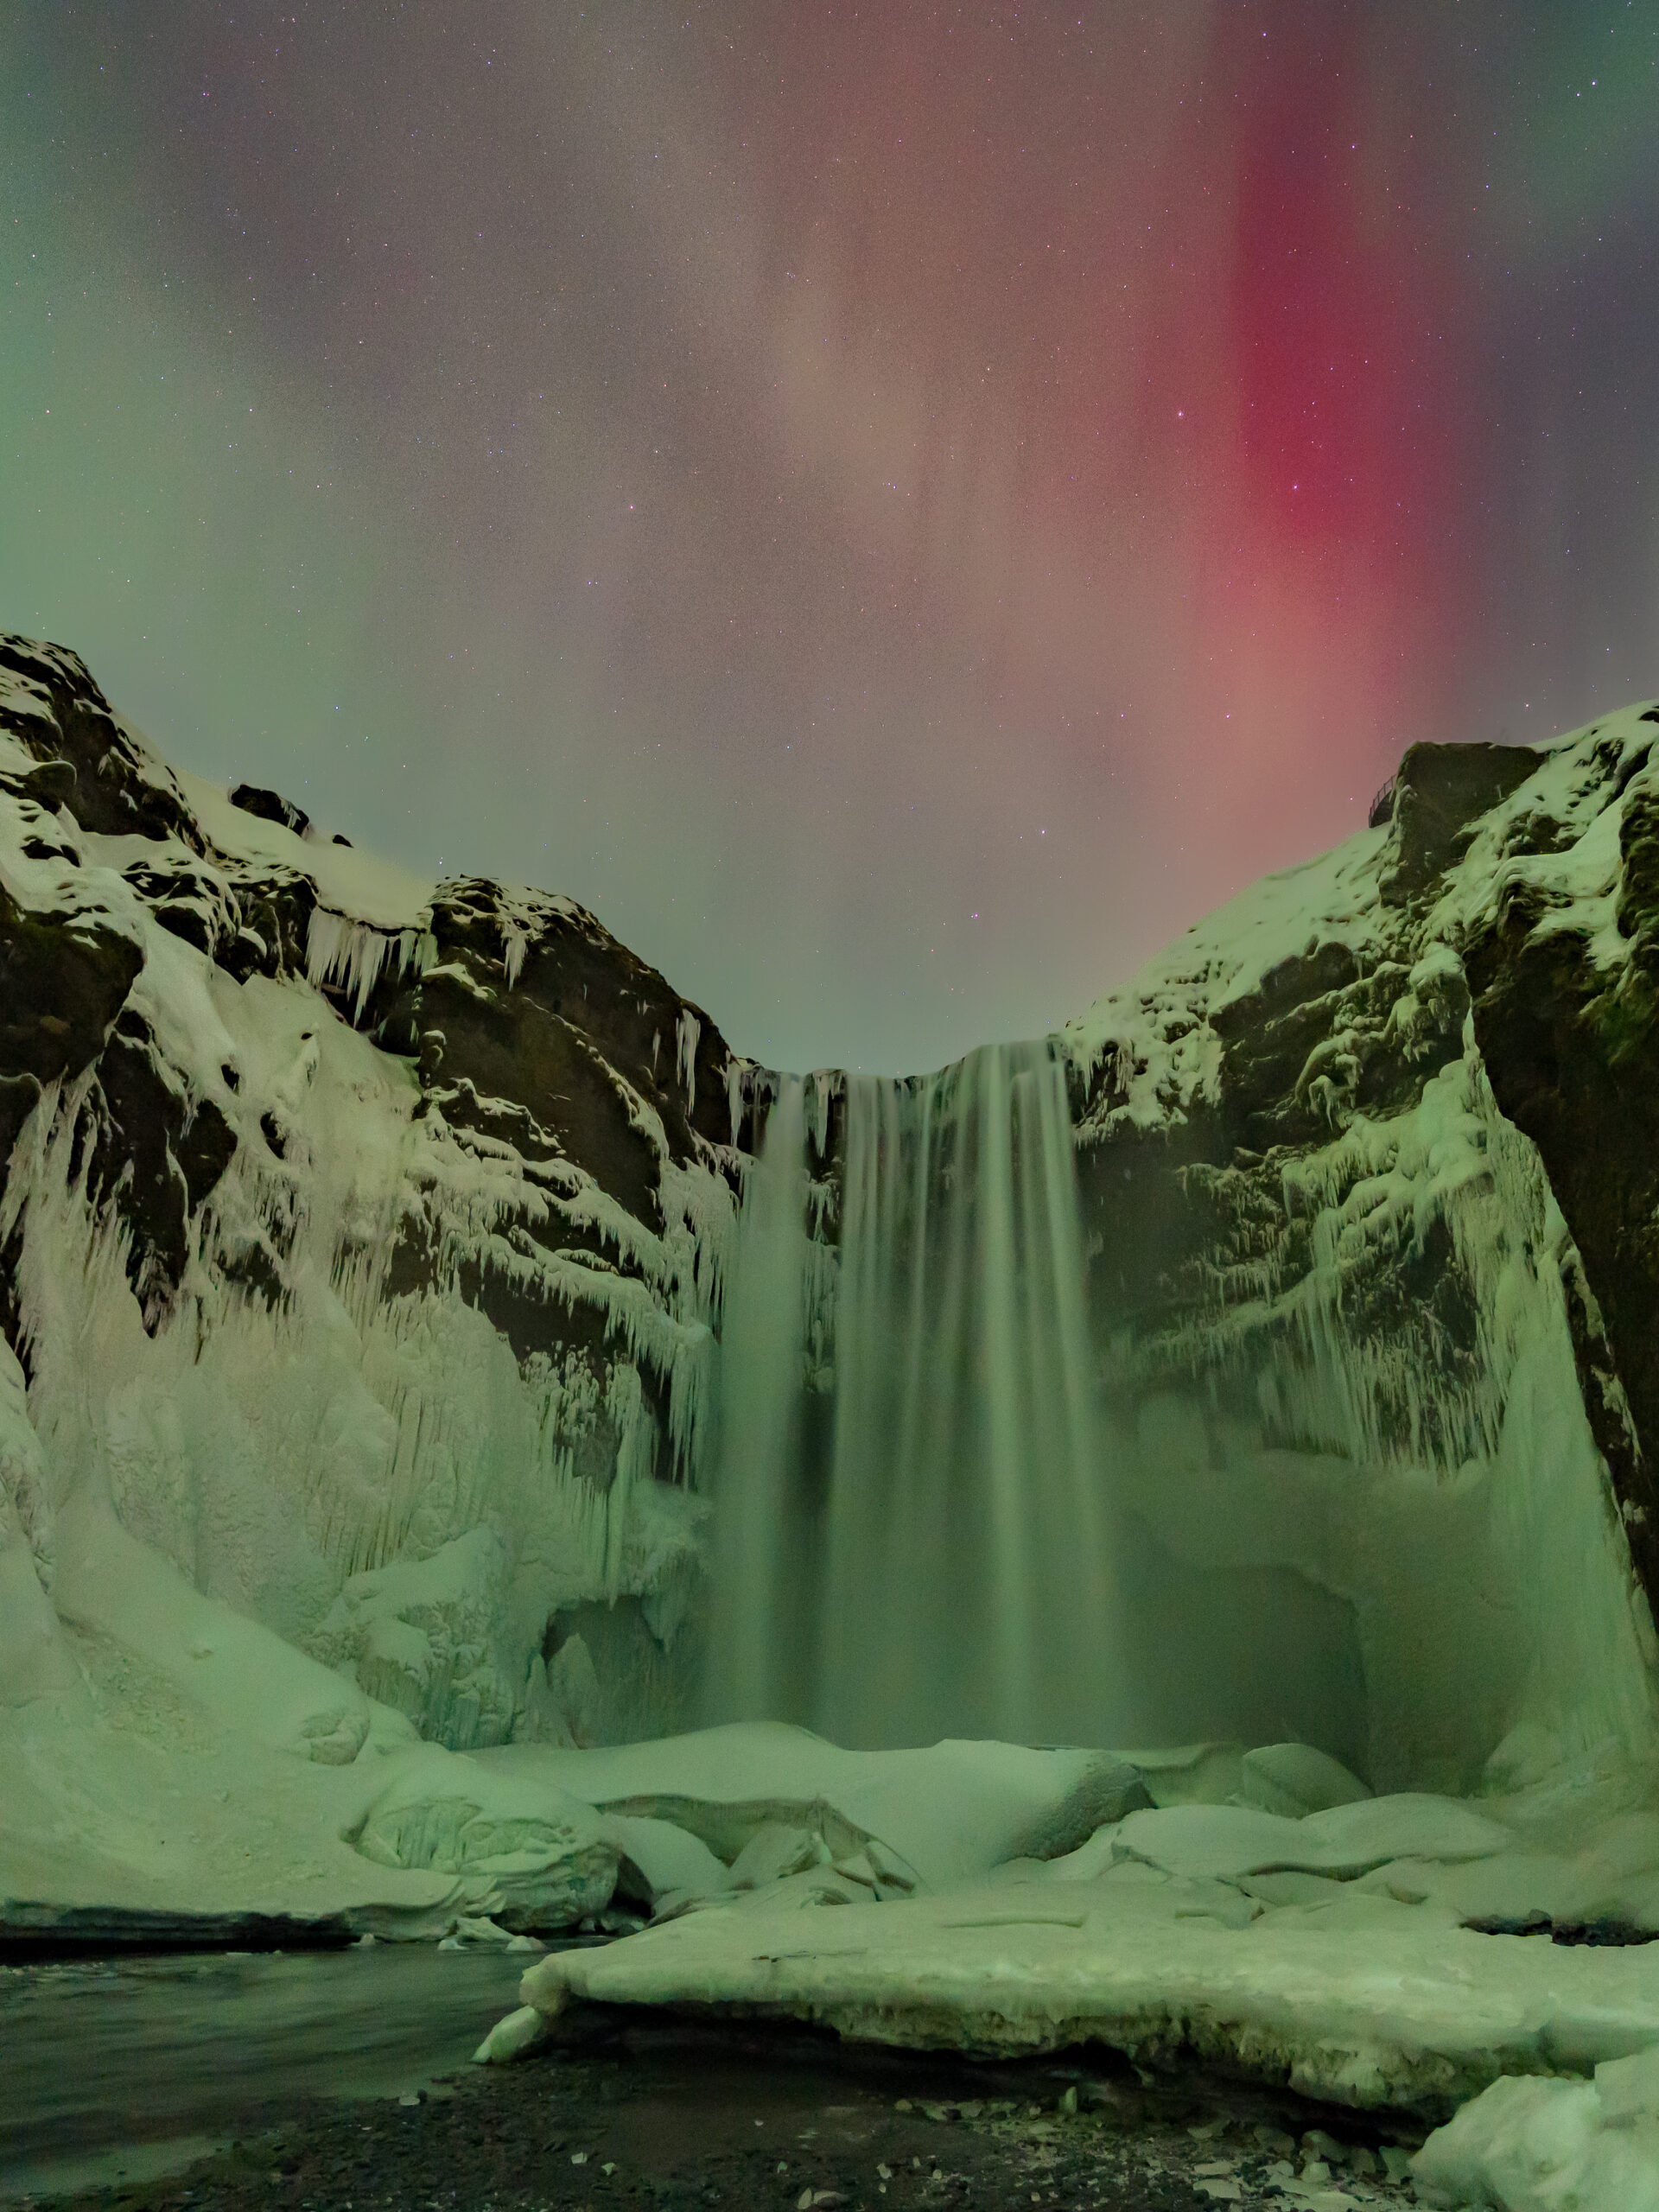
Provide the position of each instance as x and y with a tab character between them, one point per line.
911	1527
762	1352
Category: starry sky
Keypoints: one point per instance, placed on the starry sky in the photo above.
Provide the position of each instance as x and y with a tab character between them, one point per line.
900	509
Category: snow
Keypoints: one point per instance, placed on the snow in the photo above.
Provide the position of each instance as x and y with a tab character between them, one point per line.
360	1509
1533	2145
274	1457
661	1862
950	1812
1160	1936
350	880
1459	1508
193	1763
1152	1037
1360	1998
1294	1778
1222	1841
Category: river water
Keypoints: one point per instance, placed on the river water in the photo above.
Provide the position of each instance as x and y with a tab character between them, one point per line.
121	2070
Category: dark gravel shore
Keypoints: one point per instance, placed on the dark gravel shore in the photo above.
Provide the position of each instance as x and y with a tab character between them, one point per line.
627	2111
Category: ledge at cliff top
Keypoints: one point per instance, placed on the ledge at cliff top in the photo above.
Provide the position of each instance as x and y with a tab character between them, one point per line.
363	1250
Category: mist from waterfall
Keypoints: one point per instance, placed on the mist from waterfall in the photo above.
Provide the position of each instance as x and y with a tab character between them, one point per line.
911	1525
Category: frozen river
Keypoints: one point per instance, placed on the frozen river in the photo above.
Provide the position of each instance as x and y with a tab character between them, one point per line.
124	2068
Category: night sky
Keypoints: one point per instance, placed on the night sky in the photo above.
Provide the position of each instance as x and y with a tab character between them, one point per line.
900	509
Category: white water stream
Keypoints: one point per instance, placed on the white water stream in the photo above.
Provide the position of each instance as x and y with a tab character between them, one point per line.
911	1508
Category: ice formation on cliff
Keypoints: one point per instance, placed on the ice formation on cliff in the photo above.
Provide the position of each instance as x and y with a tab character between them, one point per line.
301	1405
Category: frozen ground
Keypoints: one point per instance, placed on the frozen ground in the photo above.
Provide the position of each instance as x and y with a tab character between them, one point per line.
1257	1912
1368	1951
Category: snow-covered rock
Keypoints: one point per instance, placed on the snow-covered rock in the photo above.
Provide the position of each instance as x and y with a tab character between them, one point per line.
1368	1166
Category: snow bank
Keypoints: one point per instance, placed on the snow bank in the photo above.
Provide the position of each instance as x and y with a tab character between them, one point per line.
1532	2145
948	1812
1362	2000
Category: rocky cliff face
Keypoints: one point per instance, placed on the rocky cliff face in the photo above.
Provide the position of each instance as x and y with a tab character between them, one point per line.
362	1244
361	1236
1368	1164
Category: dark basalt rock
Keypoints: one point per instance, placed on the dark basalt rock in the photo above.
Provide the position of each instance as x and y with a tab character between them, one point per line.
1573	1060
270	806
52	785
154	1153
584	1024
62	986
556	1065
532	1028
268	930
118	792
1440	790
62	981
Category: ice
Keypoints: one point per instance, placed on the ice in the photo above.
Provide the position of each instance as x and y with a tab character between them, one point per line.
274	1457
1408	1494
1224	1840
509	2038
687	1032
1533	2145
735	1075
1363	2001
1443	1500
420	1635
661	1859
774	1851
542	1859
1409	1825
354	954
1295	1778
951	1812
300	1556
825	1083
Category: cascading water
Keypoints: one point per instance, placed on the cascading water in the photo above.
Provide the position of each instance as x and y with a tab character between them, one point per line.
911	1541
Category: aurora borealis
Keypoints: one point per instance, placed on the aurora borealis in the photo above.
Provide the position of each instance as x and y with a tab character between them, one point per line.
900	510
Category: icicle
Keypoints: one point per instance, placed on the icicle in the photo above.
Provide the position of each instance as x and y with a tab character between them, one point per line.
354	953
734	1096
515	941
636	1452
823	1083
690	1029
